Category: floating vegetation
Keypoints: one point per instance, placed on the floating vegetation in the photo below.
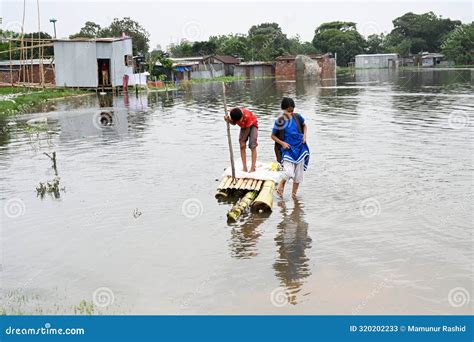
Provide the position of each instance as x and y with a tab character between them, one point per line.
84	308
51	187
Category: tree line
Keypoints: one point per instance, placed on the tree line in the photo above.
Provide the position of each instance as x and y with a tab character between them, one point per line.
411	34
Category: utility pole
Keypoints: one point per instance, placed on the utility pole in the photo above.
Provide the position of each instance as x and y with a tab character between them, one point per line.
52	20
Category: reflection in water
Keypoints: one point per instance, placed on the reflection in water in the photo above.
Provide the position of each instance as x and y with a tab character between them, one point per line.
292	239
244	238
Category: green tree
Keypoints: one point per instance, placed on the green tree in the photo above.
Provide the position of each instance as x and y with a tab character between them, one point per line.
204	48
184	49
89	30
339	37
234	45
297	47
421	32
376	43
131	28
155	56
267	41
458	45
140	36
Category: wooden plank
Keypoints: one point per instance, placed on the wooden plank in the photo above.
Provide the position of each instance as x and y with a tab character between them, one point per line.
234	184
228	183
259	185
249	184
239	183
254	183
222	183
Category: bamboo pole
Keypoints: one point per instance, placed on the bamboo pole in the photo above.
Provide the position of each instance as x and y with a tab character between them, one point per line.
239	208
229	140
11	66
264	200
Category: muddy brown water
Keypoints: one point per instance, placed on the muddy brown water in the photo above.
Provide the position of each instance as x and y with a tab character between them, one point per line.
382	224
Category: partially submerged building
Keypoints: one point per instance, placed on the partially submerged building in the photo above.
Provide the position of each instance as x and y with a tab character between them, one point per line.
255	69
431	60
286	66
378	60
91	63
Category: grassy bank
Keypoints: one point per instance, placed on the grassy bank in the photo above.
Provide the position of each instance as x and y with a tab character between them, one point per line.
14	100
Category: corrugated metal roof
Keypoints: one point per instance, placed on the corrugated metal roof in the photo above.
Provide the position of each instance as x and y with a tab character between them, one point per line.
98	40
226	59
378	55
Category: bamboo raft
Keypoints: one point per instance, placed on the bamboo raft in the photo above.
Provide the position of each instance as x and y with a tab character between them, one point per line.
256	194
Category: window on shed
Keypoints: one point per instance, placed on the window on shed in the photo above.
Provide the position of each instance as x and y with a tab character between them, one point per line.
128	60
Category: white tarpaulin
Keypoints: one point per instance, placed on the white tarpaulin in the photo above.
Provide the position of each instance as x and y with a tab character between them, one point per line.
263	172
137	79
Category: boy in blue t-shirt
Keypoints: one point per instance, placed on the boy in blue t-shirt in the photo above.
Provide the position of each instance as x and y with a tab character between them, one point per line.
289	134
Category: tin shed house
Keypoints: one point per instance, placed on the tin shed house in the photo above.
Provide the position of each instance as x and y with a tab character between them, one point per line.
92	63
379	60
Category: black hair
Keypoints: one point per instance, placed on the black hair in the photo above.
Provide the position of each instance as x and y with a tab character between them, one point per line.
236	114
287	102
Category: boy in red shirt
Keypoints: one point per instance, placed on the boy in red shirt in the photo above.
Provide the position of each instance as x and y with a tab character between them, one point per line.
248	131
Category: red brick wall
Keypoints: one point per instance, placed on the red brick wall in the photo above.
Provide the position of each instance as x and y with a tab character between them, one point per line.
48	75
285	69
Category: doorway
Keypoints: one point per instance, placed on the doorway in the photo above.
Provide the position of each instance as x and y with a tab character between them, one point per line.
103	69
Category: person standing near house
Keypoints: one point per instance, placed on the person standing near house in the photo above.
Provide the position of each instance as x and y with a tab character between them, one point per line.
289	134
105	74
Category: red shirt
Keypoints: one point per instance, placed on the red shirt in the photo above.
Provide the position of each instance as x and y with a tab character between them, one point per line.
248	119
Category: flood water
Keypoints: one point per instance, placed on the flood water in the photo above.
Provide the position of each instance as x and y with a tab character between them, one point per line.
382	224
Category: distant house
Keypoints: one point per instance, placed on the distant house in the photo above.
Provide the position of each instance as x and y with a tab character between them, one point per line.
229	63
255	69
433	60
27	71
285	66
379	60
91	63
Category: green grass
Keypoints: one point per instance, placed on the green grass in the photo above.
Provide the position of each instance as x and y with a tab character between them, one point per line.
28	99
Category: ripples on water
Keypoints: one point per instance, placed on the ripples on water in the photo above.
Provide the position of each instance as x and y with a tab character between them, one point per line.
383	223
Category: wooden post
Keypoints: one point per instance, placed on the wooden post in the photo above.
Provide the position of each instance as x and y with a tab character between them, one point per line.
11	67
229	139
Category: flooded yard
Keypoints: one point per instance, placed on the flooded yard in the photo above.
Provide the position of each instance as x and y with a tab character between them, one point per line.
382	224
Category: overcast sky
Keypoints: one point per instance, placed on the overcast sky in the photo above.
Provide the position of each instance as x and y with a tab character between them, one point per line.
196	20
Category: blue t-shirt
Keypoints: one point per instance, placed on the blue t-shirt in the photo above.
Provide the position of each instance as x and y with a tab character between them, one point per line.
292	136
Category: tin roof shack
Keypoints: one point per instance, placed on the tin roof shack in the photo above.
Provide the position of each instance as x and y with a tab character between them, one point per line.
432	60
228	63
91	63
255	69
27	71
286	67
379	60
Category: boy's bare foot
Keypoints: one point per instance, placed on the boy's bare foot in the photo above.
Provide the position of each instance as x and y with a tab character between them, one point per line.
279	192
253	169
293	195
244	169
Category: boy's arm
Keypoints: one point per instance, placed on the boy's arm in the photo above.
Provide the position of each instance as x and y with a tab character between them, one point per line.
229	120
305	129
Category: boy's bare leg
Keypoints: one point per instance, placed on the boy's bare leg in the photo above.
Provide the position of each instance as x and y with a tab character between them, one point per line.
243	155
281	188
254	160
295	189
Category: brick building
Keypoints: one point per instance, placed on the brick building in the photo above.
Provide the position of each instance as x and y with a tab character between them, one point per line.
27	71
285	66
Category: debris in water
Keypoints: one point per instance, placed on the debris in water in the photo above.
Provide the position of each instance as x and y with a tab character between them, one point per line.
51	187
137	213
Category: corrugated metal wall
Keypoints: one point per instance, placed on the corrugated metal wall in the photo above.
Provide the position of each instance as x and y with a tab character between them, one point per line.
75	64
